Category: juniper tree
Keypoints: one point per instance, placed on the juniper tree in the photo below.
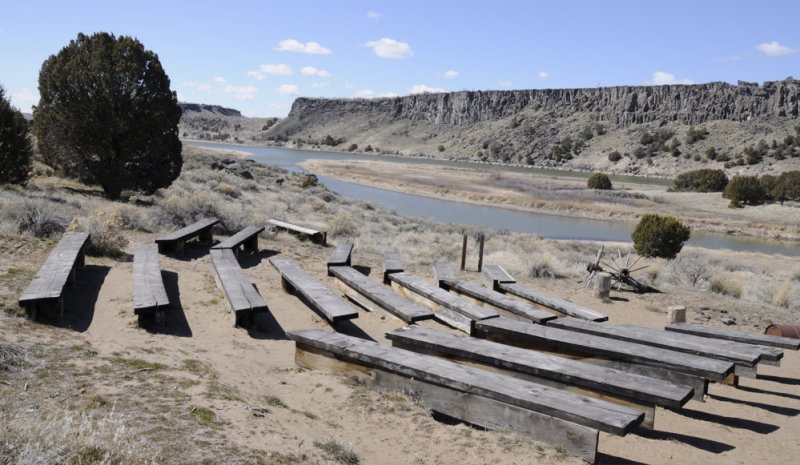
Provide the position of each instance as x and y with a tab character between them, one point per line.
15	147
107	115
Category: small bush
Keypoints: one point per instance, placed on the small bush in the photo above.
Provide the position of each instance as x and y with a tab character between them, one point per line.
743	190
105	239
703	180
659	236
599	181
440	148
726	285
35	217
227	189
338	451
352	147
309	181
614	156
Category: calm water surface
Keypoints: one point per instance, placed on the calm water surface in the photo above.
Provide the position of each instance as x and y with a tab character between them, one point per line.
550	226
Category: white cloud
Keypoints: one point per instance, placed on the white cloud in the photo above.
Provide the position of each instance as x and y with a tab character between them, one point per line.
390	48
241	92
423	89
220	80
450	74
661	78
543	74
291	45
387	95
774	49
25	97
320	85
278	70
257	75
374	15
288	89
505	83
312	71
366	93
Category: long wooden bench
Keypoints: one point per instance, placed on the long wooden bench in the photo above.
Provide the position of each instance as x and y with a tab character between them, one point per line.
149	295
246	238
326	303
175	241
511	307
621	387
459	313
46	290
470	394
243	298
375	297
496	278
317	237
677	367
341	256
744	356
745	337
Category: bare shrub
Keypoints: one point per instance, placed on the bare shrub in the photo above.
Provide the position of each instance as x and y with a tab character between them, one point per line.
105	239
227	189
726	285
12	356
689	269
342	224
35	216
781	299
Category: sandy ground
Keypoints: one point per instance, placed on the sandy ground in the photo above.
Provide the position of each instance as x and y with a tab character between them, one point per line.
557	195
754	423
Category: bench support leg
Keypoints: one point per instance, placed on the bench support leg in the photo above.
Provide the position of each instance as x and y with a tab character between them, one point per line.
251	245
286	286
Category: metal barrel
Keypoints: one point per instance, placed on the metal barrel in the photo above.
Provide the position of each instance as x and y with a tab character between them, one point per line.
783	331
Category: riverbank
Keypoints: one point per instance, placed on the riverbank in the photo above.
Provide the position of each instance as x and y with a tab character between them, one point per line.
567	196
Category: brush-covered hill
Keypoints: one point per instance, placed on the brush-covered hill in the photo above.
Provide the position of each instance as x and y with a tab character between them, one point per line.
216	123
646	130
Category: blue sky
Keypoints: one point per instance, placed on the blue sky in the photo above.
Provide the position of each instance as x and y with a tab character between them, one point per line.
258	56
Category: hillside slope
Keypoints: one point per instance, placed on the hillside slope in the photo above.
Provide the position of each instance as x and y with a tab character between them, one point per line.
657	130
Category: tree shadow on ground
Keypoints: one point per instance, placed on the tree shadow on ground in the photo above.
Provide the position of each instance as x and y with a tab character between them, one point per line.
175	322
80	300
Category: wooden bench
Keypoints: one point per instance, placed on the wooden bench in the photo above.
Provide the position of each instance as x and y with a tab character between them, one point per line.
677	367
341	256
46	290
247	237
317	237
448	307
243	298
149	295
744	356
637	391
481	295
326	303
496	278
480	397
745	337
375	297
175	241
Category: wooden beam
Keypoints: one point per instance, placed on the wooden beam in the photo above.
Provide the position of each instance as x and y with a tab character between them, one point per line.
746	337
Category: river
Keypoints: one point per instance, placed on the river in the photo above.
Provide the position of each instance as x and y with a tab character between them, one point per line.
550	226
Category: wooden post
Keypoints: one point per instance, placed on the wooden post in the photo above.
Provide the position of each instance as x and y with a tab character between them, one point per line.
602	285
464	253
480	253
676	314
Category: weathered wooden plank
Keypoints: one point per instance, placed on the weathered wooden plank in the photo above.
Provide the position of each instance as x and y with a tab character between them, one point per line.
247	236
560	340
391	264
576	439
746	337
189	231
744	356
443	272
323	299
496	278
594	413
242	296
393	303
319	237
341	256
436	298
597	379
58	269
149	294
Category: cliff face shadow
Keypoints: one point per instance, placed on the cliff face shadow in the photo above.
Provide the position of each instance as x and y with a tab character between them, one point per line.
175	322
80	300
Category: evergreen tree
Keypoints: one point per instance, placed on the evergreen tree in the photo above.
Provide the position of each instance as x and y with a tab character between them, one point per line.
108	116
15	147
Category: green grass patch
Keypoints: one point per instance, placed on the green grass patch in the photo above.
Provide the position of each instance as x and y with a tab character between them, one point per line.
137	363
275	401
204	415
199	368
